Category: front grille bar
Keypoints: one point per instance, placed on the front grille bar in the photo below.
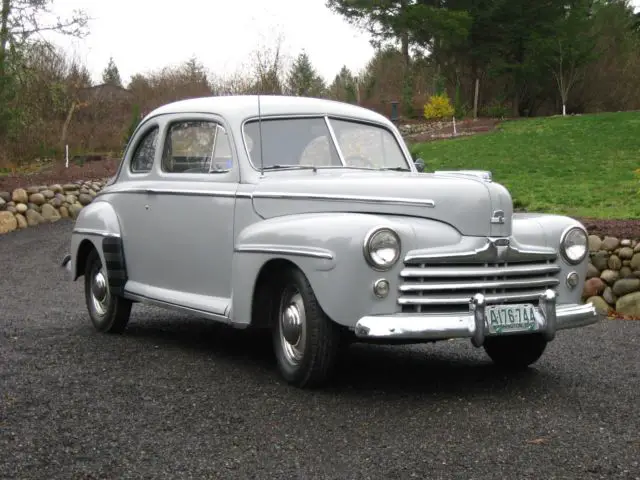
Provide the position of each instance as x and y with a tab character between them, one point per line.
456	271
464	299
479	285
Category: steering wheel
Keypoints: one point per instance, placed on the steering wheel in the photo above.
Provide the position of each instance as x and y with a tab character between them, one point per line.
358	161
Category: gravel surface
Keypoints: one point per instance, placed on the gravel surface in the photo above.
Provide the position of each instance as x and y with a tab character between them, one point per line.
178	397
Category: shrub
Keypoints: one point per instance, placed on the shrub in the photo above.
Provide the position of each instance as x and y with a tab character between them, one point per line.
438	107
496	109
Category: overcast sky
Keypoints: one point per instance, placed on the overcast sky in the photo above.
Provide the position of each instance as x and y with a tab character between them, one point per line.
144	35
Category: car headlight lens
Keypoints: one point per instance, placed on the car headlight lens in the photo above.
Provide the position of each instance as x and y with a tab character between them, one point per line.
574	245
382	248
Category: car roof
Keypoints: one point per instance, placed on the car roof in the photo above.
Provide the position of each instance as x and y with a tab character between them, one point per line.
240	107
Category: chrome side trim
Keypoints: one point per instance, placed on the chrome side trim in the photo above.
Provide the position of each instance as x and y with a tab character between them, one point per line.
92	231
173	191
286	250
473	324
172	306
282	195
348	198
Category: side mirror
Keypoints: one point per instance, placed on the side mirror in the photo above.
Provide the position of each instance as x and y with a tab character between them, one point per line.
419	163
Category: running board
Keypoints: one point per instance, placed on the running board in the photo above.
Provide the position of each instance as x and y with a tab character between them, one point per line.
178	308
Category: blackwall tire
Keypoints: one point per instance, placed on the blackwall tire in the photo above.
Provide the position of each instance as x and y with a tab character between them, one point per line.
306	342
109	313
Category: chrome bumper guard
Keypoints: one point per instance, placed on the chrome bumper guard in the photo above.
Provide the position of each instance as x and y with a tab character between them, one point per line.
474	324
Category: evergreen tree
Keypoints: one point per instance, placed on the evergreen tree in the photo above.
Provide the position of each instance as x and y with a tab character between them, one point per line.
111	75
343	87
303	80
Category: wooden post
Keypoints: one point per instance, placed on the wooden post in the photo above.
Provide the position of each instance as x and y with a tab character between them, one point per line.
475	99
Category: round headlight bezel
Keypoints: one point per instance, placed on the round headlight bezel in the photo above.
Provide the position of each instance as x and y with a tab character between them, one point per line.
563	247
368	248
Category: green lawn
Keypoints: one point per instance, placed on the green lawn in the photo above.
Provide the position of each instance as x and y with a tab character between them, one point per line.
585	166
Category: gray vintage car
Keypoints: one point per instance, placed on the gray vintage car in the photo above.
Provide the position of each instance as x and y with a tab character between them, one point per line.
309	218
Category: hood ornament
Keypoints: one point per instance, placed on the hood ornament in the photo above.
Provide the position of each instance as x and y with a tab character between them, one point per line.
497	217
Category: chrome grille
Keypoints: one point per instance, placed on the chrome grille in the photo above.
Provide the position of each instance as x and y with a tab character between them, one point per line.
439	287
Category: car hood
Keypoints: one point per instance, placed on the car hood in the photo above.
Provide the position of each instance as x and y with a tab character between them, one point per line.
465	202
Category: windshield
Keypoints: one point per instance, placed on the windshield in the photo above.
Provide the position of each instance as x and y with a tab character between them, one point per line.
307	142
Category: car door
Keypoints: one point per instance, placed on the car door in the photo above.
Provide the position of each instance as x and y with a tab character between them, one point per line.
129	199
191	212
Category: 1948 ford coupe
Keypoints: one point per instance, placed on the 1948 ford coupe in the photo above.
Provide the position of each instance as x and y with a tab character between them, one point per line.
309	217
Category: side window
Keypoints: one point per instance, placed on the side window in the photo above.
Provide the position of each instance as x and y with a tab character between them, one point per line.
196	146
143	155
222	157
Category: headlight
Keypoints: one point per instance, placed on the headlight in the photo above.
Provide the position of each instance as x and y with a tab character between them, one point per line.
574	245
382	248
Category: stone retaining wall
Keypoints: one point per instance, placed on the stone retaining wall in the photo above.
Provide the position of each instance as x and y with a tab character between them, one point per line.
28	207
613	279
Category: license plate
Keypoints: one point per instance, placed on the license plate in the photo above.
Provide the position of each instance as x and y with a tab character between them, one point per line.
512	318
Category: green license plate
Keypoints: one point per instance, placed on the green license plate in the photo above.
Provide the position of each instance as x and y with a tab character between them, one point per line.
512	318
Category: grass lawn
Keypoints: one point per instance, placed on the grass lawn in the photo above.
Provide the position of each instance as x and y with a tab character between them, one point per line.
584	166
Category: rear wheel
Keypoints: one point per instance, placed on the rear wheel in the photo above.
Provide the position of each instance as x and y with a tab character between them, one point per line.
109	313
306	342
515	352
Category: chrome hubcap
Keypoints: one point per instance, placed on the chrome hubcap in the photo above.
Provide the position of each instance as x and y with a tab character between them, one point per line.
99	292
292	325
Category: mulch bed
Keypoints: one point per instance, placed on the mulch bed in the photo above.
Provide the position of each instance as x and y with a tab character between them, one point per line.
58	173
465	127
614	228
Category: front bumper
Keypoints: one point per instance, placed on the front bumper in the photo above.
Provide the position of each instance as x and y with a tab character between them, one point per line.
473	325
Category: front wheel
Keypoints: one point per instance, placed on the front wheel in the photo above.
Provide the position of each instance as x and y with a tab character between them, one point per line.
515	352
109	313
306	342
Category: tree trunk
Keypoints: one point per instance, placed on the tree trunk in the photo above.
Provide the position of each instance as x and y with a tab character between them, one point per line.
516	104
404	39
4	35
564	109
65	127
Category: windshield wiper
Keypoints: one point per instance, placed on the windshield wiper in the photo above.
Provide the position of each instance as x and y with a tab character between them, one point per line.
299	167
397	169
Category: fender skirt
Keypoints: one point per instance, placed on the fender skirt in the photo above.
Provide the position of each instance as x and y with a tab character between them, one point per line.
115	265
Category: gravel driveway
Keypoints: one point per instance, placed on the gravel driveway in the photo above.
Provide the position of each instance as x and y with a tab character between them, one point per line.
178	397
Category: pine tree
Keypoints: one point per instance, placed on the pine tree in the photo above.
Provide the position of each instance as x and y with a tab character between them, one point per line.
303	80
111	75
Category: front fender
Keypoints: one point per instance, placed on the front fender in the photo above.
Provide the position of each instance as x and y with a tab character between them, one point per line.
328	248
551	227
97	225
